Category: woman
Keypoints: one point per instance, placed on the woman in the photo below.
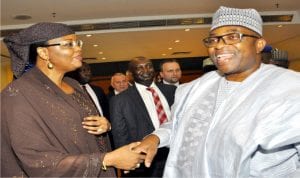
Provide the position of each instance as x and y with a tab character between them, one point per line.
48	122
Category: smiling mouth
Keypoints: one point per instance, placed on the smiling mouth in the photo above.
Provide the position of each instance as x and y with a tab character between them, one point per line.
223	58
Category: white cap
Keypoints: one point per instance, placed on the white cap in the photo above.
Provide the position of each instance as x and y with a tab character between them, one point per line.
248	18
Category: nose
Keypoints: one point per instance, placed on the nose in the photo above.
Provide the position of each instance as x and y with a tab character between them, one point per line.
220	43
146	69
77	48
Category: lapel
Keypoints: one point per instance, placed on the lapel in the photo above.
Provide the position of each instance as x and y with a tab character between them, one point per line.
136	98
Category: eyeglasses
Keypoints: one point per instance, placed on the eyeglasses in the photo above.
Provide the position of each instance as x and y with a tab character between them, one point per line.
228	39
67	44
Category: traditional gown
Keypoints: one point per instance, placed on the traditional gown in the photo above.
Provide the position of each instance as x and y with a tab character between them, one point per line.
224	129
42	134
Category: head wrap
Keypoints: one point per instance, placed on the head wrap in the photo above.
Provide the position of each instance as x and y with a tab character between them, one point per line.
248	18
18	44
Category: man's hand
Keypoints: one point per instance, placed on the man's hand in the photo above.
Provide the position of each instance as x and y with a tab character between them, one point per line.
124	157
149	146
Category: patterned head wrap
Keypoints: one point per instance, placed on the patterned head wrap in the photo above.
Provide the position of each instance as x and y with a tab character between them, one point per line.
248	18
18	44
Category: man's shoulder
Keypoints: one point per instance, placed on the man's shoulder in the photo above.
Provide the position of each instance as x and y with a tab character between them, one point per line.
96	87
165	86
131	91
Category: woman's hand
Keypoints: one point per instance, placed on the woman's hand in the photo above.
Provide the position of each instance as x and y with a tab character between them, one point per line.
96	125
124	157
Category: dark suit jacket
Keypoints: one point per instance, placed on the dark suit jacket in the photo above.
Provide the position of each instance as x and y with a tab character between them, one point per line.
131	122
102	100
110	94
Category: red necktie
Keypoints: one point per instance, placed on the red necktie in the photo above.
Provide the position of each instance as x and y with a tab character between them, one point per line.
158	105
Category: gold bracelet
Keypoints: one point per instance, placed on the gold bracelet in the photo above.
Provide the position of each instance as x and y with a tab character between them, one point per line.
104	168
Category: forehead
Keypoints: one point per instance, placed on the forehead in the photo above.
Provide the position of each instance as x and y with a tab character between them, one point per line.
230	29
171	65
141	62
119	77
64	38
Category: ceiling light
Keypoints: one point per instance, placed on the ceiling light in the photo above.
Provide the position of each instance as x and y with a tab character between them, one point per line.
95	45
163	54
88	35
22	17
177	41
187	29
100	52
103	58
170	48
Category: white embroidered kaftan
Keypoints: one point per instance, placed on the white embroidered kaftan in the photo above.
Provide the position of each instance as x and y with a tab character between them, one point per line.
252	131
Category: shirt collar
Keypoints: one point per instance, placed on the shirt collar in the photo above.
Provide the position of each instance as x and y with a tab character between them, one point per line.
175	84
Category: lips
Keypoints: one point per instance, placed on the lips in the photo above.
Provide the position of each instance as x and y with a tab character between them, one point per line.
78	58
223	58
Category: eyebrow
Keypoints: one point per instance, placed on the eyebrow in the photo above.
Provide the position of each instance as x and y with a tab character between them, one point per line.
226	32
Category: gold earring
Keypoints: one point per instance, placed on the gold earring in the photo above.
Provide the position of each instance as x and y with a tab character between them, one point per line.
50	65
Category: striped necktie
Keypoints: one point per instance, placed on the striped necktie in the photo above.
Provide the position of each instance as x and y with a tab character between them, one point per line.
158	106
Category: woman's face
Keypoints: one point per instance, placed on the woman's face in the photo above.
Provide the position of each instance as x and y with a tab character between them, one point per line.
66	55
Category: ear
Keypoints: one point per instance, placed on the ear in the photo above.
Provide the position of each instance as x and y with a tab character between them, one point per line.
260	45
43	53
112	81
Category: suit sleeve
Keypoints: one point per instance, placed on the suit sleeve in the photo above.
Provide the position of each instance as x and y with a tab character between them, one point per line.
118	121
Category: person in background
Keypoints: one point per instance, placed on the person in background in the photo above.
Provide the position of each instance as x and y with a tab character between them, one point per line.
83	75
49	125
119	83
239	121
170	72
140	110
208	65
129	77
157	78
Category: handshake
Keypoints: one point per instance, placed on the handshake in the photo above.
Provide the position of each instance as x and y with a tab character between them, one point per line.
129	157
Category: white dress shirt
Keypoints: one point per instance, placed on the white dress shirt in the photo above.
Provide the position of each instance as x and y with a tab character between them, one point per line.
149	102
175	84
94	97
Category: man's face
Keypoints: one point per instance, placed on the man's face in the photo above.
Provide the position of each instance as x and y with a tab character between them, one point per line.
119	83
236	61
85	73
143	71
171	72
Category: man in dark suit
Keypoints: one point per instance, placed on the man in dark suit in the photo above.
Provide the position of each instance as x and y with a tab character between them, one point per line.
83	75
134	116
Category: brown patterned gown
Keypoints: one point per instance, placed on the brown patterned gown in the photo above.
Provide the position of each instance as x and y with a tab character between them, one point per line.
42	134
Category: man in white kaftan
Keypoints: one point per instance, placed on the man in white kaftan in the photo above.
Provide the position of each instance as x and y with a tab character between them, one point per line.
238	122
242	136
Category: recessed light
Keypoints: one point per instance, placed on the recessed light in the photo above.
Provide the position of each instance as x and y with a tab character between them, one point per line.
279	26
170	48
88	35
103	58
95	45
22	17
187	29
163	54
177	41
100	52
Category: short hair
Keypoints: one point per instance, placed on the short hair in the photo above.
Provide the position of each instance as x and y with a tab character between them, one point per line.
131	66
166	61
117	74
